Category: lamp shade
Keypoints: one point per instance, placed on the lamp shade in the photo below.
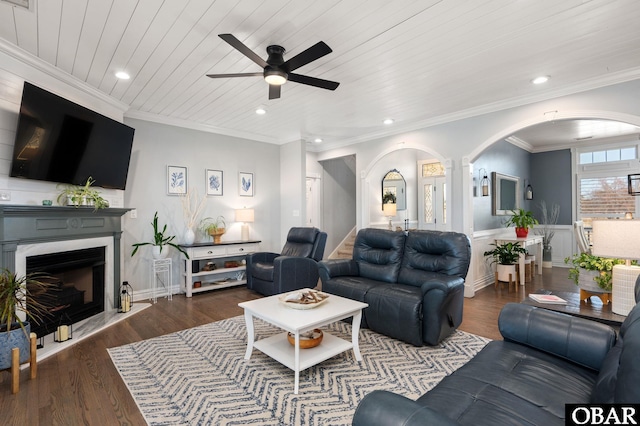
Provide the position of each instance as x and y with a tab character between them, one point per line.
616	238
389	209
244	215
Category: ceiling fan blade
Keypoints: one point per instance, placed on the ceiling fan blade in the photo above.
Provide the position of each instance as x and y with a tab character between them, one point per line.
312	81
316	51
243	74
238	45
274	91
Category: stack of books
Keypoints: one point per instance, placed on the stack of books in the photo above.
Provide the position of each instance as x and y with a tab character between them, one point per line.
547	298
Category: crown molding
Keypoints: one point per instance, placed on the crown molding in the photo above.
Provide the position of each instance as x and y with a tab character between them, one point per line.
154	118
583	86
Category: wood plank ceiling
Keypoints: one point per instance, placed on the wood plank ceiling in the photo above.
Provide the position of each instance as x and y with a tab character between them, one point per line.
417	62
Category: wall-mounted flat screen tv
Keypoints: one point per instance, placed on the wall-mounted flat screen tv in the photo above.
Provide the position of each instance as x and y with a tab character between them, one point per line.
60	141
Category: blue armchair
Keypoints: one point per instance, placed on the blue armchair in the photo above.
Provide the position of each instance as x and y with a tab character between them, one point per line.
295	268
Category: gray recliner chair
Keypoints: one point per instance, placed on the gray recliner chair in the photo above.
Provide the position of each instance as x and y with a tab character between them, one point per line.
294	268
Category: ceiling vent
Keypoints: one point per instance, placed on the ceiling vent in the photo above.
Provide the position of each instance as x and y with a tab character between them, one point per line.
27	4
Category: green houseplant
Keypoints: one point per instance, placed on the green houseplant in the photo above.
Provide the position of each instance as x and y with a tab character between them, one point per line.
16	295
214	227
160	240
523	220
505	256
602	266
84	195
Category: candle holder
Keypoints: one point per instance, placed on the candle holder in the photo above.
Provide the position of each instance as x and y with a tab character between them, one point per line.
126	297
64	331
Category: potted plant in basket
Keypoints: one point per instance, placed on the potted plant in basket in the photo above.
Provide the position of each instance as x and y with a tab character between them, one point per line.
214	227
160	240
505	256
16	294
592	273
523	220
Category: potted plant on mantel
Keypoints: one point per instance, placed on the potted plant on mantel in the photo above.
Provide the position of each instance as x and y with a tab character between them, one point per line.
16	294
75	195
505	256
523	220
160	240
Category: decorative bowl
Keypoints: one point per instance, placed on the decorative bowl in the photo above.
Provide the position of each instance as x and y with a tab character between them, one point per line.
308	340
303	299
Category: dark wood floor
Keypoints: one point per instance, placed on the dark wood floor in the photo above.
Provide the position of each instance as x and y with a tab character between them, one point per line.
81	386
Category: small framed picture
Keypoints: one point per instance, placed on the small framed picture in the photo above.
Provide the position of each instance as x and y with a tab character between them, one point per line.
214	182
176	180
246	184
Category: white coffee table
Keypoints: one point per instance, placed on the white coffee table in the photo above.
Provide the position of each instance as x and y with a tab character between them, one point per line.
271	310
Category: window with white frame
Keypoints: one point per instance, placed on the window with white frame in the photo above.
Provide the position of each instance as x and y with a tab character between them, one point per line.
601	181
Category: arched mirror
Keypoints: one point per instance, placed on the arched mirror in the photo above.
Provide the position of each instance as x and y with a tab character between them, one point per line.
394	183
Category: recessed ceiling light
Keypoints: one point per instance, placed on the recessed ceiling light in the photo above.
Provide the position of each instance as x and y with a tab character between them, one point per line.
122	75
261	110
541	79
317	140
388	121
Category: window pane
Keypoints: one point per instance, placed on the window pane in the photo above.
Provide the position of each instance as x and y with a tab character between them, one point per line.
605	197
613	155
586	158
628	154
599	156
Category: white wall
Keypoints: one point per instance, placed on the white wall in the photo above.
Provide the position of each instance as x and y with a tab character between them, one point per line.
292	181
157	146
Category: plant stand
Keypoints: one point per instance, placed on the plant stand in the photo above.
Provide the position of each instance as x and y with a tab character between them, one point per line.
15	363
586	295
511	281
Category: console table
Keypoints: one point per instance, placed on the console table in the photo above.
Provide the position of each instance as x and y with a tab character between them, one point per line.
215	265
526	242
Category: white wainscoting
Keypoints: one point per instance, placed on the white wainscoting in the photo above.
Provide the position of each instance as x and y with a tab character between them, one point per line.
563	245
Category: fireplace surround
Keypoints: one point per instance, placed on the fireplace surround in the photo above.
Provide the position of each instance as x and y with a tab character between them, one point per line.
27	231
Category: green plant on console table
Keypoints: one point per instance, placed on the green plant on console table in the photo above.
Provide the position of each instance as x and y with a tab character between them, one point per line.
522	219
506	253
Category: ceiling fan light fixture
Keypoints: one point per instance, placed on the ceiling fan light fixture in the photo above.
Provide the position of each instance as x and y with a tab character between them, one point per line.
275	76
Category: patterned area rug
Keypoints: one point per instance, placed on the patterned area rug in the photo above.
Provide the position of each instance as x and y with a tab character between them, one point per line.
199	376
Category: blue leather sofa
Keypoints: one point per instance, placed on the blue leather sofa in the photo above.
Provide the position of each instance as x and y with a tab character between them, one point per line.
546	360
413	283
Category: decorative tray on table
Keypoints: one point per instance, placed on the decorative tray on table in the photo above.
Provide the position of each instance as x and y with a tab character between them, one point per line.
304	299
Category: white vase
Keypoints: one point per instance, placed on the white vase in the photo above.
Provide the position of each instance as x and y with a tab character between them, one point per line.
189	236
157	254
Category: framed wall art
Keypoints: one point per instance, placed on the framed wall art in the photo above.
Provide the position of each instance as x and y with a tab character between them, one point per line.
176	180
214	182
246	184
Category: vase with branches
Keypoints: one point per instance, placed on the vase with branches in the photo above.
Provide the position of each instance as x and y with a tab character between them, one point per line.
192	206
549	218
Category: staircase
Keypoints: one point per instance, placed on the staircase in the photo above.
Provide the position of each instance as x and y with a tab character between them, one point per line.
345	249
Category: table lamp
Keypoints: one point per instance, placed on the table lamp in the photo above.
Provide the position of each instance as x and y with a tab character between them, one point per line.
619	239
389	210
245	216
